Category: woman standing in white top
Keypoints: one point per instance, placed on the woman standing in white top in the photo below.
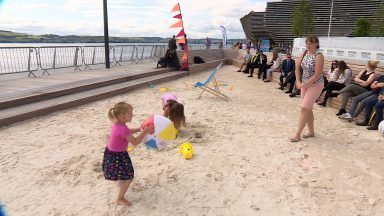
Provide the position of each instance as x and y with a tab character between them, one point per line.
342	78
274	66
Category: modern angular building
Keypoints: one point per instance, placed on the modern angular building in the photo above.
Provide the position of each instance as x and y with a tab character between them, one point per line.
275	22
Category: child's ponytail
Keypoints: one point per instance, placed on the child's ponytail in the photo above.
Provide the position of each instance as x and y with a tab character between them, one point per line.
117	110
111	116
176	114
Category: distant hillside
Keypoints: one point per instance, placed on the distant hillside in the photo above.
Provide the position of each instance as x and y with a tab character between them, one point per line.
13	37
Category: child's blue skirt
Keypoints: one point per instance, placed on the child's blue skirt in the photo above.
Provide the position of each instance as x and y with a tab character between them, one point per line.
117	165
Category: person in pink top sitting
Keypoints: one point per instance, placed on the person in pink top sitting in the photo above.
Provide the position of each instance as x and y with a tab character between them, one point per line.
173	110
117	165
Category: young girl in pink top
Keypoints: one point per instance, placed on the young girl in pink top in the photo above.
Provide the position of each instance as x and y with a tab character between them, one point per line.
117	165
173	110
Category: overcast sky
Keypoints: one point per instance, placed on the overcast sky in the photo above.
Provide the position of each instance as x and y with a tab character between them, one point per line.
126	17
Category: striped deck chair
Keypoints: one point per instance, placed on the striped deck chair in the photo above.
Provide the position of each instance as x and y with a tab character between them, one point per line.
212	90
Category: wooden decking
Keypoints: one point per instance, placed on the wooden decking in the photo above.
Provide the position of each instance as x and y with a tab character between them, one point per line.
25	98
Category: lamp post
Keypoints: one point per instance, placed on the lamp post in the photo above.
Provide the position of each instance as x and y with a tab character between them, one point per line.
330	20
106	36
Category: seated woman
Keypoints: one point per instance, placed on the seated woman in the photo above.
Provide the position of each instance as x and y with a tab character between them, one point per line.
362	83
366	101
379	106
331	75
274	65
339	77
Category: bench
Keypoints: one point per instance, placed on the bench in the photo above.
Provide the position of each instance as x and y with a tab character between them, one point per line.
334	102
212	58
356	69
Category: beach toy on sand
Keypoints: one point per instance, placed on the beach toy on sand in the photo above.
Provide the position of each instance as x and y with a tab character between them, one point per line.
130	148
381	128
164	132
186	150
164	89
2	208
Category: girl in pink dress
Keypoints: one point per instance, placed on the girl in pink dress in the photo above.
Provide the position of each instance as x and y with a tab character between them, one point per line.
117	165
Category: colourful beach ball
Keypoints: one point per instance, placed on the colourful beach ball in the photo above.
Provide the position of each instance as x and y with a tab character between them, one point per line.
381	128
164	132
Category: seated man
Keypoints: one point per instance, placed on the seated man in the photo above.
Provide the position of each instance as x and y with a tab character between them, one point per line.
247	58
252	64
262	62
172	60
168	57
287	69
290	80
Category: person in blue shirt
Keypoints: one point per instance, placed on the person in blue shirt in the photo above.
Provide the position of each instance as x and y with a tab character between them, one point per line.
376	100
287	72
379	106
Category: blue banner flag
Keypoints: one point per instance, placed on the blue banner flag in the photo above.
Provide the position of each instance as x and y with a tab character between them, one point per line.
224	32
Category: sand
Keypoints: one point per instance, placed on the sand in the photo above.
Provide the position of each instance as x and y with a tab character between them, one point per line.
243	162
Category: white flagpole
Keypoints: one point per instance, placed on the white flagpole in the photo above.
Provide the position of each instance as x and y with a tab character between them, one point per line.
330	20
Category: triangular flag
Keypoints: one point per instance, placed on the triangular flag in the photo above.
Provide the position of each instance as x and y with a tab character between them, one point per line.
178	16
177	25
184	66
176	8
181	34
185	57
181	40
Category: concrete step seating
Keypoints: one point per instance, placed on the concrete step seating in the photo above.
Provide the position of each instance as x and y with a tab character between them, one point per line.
21	112
41	93
356	69
336	102
212	58
37	99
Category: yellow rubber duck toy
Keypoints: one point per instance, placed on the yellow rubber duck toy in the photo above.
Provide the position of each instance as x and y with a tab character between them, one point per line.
186	150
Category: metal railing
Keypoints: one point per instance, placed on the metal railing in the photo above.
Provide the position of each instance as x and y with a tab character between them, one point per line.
32	59
18	60
202	46
58	57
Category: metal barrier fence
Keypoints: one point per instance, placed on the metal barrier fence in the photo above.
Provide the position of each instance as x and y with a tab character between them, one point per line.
202	46
18	60
32	59
59	57
94	55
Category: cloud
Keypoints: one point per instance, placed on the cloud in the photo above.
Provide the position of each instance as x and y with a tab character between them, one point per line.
128	17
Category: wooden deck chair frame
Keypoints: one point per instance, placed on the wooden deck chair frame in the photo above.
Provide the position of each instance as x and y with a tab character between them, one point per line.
215	90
